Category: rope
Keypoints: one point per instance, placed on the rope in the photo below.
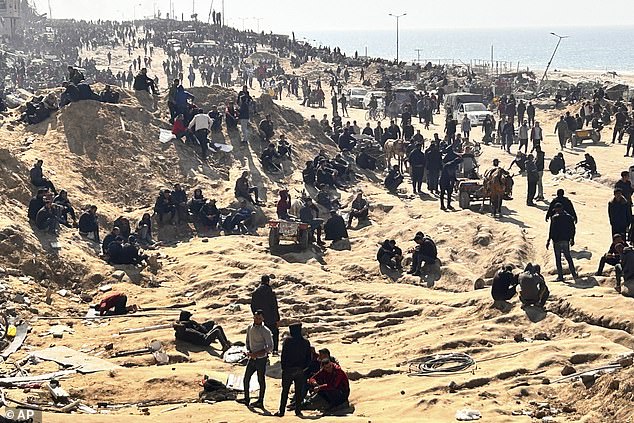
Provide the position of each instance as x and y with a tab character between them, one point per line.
441	364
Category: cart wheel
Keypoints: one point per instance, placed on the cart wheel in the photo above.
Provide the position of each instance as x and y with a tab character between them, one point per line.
464	200
274	238
596	136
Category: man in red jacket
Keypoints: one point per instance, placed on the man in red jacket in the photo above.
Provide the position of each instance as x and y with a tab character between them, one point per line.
331	384
115	304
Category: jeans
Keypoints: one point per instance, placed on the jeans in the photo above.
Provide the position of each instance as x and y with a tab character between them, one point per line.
255	365
244	126
292	376
563	247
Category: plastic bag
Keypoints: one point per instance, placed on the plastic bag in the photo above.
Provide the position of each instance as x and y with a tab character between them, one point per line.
166	136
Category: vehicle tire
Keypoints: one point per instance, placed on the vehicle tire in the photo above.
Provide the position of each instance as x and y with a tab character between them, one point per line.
303	238
274	238
464	201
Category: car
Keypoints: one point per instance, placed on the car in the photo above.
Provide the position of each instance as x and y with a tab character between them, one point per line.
356	96
379	95
476	112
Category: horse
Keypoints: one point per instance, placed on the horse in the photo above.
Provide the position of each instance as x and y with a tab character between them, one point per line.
497	184
395	149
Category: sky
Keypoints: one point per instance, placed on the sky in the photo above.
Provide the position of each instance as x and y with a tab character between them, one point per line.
284	16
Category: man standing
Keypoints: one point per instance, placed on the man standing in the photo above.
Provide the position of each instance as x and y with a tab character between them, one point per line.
521	109
620	213
536	136
296	356
259	343
531	176
562	234
244	106
561	129
417	165
263	298
539	164
530	113
565	203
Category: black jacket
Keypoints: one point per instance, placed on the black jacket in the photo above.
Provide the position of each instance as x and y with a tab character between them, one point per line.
566	204
35	205
42	217
417	158
263	298
88	223
620	213
562	227
295	351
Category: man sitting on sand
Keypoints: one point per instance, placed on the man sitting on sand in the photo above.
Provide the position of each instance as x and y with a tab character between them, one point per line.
613	258
533	289
244	189
390	256
504	285
88	224
360	209
38	180
192	332
331	385
115	304
393	179
335	227
144	83
425	253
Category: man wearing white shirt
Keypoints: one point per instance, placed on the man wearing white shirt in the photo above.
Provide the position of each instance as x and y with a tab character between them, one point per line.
201	125
259	344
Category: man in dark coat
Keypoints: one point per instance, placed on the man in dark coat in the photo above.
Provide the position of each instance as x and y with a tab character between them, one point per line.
620	213
335	227
417	164
296	356
263	298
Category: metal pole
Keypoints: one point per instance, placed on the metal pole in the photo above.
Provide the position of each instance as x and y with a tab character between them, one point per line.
397	32
223	12
551	59
418	50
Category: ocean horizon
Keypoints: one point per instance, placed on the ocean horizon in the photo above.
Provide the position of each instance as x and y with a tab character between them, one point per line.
589	48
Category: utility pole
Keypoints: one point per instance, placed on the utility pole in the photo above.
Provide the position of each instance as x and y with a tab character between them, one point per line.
223	12
397	19
551	58
418	50
50	10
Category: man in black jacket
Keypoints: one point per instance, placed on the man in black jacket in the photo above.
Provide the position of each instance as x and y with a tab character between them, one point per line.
417	164
38	180
88	225
263	298
296	356
532	176
620	213
562	234
539	164
192	332
566	204
424	253
504	284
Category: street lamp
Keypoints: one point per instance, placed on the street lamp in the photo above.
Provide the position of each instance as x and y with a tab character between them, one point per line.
397	18
561	37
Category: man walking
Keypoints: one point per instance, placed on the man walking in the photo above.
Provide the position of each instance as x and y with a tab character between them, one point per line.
562	234
296	356
539	164
620	213
259	344
263	298
532	176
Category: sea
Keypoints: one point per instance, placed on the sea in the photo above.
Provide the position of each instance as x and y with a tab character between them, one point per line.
586	48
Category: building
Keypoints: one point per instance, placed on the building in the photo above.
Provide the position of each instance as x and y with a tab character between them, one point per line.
11	17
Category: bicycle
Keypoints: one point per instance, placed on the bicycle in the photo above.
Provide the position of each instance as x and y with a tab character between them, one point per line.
374	114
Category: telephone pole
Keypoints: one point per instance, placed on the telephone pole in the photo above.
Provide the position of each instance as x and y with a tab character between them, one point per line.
418	50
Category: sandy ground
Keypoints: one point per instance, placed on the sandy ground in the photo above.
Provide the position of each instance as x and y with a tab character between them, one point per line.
372	322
